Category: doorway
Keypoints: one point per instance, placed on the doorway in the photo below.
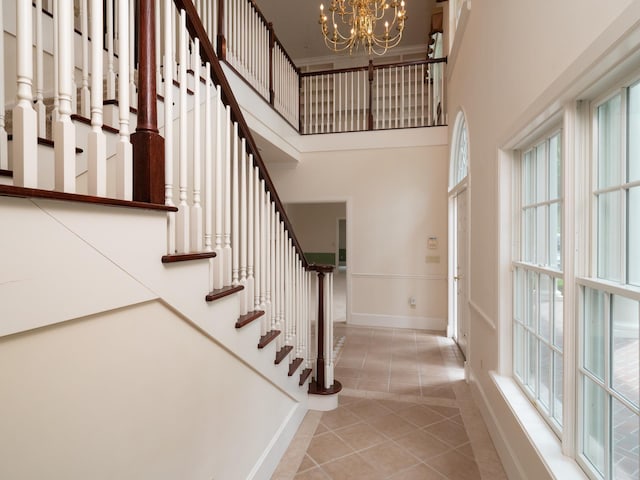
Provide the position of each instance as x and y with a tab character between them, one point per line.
460	314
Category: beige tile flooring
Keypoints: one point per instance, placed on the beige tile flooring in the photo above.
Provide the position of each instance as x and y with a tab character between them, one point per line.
405	413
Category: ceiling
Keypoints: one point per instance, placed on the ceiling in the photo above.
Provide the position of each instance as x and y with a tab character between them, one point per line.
296	25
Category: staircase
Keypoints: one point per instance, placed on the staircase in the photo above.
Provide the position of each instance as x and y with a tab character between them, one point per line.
164	211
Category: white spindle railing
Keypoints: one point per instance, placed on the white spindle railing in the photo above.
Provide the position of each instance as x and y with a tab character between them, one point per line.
40	73
402	96
96	144
286	85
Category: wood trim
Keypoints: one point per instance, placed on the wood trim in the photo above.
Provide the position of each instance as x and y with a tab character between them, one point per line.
375	67
87	121
11	191
315	389
185	257
223	292
304	375
321	269
293	366
248	318
268	338
282	354
6	173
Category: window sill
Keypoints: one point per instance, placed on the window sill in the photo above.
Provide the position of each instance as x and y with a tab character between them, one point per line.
539	434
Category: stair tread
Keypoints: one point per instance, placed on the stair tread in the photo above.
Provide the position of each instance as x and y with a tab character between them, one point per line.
87	121
304	375
6	173
223	292
24	192
268	338
248	318
43	141
282	354
185	257
293	366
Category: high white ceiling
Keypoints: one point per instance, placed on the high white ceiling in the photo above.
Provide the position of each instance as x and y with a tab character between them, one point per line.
296	25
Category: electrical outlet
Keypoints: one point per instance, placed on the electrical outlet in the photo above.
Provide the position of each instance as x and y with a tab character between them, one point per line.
412	301
432	259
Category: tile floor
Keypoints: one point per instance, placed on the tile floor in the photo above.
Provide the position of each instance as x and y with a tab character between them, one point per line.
405	413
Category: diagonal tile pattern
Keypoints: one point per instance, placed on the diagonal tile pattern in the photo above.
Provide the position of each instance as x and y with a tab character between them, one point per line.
405	413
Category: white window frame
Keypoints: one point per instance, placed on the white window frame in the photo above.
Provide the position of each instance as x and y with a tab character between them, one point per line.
548	412
607	287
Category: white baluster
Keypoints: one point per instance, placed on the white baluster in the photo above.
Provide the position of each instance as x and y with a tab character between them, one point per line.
227	253
39	105
250	283
158	49
133	93
182	220
124	150
242	226
235	202
111	74
85	100
56	51
4	143
25	154
275	293
64	137
168	123
328	348
208	163
259	239
265	257
218	278
196	209
96	141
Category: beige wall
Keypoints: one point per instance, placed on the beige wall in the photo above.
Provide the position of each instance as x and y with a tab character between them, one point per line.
135	393
514	62
396	199
316	224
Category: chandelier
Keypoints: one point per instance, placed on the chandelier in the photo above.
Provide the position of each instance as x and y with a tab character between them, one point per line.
361	18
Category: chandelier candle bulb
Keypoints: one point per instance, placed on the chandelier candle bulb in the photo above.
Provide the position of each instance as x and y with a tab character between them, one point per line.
361	17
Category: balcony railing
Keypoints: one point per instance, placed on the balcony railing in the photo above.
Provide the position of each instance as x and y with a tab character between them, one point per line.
371	97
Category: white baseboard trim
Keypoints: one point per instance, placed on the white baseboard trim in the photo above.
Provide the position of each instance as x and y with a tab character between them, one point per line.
512	467
269	460
397	321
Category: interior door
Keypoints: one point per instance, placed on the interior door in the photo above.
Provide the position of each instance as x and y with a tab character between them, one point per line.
461	330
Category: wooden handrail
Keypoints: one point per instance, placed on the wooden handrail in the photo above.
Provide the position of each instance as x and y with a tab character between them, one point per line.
375	67
196	30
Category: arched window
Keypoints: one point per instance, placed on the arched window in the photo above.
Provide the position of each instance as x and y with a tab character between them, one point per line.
459	152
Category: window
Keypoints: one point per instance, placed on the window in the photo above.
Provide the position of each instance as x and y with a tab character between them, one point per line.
609	313
460	152
538	280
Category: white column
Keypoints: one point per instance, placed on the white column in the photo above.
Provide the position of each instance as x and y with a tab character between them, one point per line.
25	153
96	141
168	124
64	136
124	151
182	220
196	209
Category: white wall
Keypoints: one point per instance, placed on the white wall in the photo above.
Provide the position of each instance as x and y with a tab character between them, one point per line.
396	199
513	63
132	393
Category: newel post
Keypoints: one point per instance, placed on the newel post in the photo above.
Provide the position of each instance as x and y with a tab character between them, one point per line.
324	383
148	145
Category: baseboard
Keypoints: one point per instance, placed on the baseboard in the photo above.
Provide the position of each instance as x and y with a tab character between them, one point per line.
512	467
269	460
398	321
